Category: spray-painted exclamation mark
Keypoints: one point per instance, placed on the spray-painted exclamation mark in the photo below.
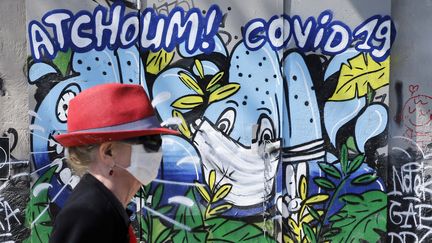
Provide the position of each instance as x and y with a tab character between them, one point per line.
213	19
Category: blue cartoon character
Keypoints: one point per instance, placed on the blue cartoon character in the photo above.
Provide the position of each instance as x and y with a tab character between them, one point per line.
310	152
303	143
55	88
231	115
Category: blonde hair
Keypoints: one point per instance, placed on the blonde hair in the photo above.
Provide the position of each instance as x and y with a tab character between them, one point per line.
80	157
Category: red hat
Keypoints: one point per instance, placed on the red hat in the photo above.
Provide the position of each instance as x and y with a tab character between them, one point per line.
110	112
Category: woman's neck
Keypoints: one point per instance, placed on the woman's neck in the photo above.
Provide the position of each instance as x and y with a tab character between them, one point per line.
122	186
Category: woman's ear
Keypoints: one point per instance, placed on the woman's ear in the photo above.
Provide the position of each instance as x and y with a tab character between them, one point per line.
105	152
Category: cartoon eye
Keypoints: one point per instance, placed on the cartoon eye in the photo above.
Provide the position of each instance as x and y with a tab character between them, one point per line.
63	105
266	135
226	120
265	130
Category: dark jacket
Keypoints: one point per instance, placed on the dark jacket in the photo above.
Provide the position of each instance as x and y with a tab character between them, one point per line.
92	213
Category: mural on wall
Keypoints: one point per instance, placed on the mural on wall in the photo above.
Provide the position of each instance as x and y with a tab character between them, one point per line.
276	145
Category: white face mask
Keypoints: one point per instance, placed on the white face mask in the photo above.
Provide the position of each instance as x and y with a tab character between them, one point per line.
245	169
144	165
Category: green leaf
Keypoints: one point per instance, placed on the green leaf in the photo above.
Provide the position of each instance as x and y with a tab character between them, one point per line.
341	215
215	79
344	158
222	192
41	230
145	190
355	164
314	213
351	145
352	198
163	236
309	233
165	209
159	232
223	92
330	169
190	82
157	61
157	195
330	233
144	225
230	230
191	236
63	61
215	87
361	221
188	102
370	94
364	179
191	217
324	183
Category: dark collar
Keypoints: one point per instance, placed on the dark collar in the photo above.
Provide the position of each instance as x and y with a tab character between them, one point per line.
109	194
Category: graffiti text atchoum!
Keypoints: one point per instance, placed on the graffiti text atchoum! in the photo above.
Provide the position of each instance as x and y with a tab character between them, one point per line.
114	29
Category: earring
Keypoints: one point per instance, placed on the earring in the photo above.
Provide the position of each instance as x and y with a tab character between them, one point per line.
111	172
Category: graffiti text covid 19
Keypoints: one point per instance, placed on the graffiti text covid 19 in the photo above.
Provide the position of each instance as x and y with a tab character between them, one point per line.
375	35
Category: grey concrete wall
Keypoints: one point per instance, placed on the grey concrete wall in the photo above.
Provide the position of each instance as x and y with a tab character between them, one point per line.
13	79
410	140
14	122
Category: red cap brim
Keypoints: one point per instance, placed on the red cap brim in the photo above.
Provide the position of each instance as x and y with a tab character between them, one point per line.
86	138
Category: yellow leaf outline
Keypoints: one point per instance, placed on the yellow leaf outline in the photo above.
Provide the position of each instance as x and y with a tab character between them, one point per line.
361	72
316	199
188	102
303	187
204	193
190	82
220	209
307	218
157	61
286	239
199	67
294	227
223	92
222	192
212	179
183	128
215	79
